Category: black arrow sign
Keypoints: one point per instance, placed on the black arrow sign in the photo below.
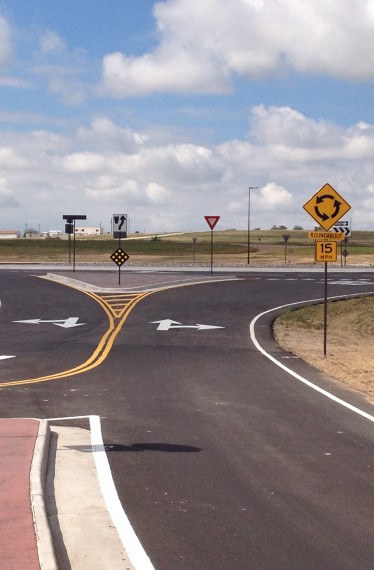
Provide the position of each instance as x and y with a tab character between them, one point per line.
323	216
320	199
337	205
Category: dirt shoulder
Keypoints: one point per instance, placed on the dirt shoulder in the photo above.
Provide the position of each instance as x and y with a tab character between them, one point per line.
350	356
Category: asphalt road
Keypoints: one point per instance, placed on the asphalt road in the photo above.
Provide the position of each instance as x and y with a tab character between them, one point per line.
221	458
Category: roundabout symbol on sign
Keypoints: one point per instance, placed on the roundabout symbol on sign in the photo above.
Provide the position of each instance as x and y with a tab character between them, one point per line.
326	206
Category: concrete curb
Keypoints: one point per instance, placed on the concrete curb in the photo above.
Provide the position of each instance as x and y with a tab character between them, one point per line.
44	541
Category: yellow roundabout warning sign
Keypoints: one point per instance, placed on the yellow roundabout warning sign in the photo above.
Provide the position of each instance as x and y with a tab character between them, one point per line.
326	206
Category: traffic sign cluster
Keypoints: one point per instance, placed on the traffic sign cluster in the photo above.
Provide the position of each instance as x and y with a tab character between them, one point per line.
327	207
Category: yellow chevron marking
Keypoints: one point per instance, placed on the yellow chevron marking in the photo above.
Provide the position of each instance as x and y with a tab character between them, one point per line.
120	310
118	303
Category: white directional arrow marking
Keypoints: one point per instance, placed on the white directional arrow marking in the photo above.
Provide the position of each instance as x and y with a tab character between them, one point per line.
5	357
64	323
168	324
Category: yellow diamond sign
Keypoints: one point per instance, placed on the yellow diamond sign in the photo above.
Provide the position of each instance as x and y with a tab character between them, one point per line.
326	206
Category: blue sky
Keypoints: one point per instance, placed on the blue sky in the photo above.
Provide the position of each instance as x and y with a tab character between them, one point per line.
168	111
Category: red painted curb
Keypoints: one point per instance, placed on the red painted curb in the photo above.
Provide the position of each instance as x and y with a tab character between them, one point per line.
17	535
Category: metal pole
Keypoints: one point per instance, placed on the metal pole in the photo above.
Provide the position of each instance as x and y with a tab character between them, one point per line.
345	251
211	252
325	315
119	267
249	221
69	248
74	245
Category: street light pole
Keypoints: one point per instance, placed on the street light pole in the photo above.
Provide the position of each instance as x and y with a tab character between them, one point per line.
249	220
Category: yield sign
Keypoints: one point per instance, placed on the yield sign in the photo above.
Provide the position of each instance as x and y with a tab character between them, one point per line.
326	206
212	221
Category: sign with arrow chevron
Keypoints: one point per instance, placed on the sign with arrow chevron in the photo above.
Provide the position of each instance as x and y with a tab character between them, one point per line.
326	206
342	227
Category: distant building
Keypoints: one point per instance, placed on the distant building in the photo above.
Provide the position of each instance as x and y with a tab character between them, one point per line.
34	235
9	234
52	234
88	231
56	234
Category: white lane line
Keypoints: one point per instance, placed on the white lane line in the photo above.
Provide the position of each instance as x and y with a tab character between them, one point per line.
130	541
294	374
126	533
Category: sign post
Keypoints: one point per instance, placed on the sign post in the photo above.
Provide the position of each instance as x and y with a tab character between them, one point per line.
70	229
119	227
211	221
286	237
326	207
119	257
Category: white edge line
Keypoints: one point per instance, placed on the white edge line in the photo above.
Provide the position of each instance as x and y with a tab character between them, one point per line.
294	374
126	533
130	541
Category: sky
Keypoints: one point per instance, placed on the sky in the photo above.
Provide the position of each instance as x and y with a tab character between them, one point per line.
170	111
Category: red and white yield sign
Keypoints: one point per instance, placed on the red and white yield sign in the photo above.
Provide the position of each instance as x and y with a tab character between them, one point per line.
212	221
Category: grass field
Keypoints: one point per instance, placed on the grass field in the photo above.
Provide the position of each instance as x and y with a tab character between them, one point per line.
229	247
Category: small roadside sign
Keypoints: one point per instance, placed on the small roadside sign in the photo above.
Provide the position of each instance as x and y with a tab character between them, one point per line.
119	224
345	230
326	235
212	221
326	251
326	206
119	257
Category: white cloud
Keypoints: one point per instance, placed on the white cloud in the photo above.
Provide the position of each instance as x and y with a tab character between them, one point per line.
105	133
273	197
83	162
51	42
104	167
62	69
7	199
202	45
285	126
10	159
14	82
158	72
157	194
71	91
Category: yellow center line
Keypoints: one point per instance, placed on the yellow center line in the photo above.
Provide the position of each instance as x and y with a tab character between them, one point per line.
116	322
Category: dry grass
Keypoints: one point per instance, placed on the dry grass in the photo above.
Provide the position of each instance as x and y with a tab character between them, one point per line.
349	340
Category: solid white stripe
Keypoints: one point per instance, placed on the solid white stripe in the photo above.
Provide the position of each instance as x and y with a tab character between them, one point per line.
125	531
294	374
